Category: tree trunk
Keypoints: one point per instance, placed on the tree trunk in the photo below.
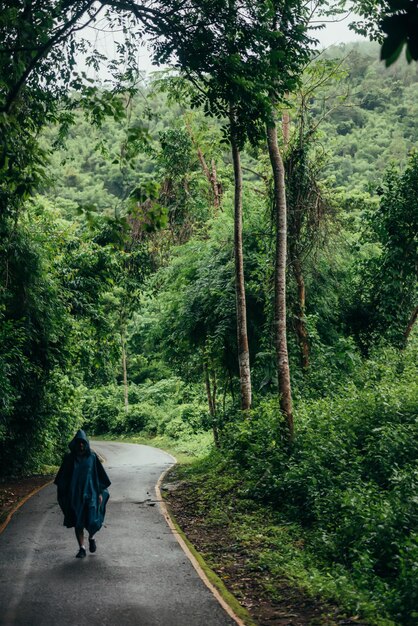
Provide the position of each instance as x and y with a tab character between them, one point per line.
215	411
203	163
208	390
124	371
231	385
411	322
301	330
211	176
242	337
215	187
285	127
214	392
280	337
211	404
224	397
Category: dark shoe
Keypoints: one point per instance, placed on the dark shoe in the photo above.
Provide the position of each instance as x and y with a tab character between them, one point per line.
81	553
92	545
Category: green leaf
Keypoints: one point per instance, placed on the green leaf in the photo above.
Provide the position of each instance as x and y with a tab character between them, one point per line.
392	48
399	5
412	47
395	26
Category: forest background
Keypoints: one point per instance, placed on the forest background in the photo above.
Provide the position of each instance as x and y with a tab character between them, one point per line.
118	313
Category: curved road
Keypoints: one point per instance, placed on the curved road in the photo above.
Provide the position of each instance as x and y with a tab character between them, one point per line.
138	576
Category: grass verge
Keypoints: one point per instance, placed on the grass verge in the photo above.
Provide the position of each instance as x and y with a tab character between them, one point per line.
263	561
214	579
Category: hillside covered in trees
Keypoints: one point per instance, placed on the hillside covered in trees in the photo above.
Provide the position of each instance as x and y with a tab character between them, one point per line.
123	276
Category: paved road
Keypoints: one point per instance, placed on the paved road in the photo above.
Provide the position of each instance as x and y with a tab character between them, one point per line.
138	576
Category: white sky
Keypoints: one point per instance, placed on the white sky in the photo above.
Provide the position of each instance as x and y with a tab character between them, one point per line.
337	32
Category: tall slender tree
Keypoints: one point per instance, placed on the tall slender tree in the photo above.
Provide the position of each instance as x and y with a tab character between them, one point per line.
242	333
249	58
206	57
280	332
289	51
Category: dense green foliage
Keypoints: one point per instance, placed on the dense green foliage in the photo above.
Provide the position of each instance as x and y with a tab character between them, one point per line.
117	307
339	513
386	296
350	481
370	117
66	292
35	327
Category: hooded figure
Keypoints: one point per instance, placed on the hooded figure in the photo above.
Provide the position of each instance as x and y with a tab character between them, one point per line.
82	491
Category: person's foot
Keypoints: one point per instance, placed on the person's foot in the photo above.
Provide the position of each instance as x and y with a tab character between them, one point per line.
81	553
92	545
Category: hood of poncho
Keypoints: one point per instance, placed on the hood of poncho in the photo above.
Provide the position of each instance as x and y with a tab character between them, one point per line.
80	435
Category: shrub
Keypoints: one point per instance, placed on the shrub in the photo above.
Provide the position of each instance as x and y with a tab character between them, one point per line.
176	428
101	408
144	416
350	479
169	390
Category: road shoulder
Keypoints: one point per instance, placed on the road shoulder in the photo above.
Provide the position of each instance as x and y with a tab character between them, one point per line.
14	492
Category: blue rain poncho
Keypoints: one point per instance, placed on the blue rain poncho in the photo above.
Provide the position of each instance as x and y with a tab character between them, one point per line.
80	481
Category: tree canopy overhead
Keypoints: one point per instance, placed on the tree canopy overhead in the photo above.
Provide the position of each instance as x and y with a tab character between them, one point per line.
41	43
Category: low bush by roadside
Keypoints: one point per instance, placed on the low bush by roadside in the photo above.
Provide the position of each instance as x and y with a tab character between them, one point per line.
338	514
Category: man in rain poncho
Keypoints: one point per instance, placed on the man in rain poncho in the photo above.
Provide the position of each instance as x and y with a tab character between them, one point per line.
82	491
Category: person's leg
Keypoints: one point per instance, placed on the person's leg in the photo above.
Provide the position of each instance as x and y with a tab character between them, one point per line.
79	533
91	524
92	543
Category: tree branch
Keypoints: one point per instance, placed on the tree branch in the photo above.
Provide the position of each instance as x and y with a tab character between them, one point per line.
65	31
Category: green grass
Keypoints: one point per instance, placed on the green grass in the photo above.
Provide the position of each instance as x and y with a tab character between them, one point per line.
275	550
48	469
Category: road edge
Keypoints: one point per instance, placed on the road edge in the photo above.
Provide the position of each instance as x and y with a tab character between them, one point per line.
6	522
21	502
216	586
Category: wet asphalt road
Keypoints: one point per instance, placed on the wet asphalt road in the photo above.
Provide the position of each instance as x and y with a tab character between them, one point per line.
138	576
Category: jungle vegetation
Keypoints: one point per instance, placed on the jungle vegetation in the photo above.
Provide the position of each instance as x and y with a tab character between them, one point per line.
223	254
